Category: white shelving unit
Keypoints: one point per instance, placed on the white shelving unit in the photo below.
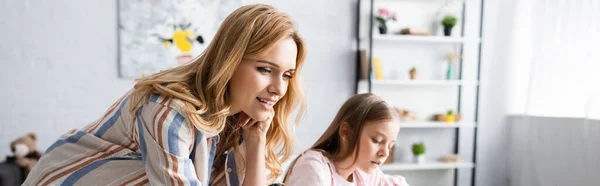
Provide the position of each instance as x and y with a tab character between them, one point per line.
420	82
423	39
425	166
432	124
430	93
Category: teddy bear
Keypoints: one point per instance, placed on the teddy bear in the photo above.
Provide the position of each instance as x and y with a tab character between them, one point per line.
25	153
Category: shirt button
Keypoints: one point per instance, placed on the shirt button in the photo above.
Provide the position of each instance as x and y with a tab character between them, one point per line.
228	169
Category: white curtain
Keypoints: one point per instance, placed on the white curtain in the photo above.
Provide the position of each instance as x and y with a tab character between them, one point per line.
553	52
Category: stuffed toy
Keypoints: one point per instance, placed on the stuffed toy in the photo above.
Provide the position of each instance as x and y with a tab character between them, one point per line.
25	153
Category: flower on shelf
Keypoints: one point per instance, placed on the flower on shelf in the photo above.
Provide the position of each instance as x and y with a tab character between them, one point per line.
382	17
452	56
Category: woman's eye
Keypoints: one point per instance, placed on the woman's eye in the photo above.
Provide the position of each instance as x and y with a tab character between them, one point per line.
287	76
263	70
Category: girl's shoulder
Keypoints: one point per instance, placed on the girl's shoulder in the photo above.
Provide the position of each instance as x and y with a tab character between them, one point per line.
311	168
313	160
315	157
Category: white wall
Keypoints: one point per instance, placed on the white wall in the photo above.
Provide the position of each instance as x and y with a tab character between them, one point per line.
492	130
553	151
59	68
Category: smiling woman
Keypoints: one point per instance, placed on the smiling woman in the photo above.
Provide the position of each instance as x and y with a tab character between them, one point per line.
258	84
210	122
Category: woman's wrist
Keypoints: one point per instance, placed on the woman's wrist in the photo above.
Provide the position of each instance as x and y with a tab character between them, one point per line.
256	143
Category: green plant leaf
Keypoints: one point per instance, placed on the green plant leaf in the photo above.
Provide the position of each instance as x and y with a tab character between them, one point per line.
418	149
449	21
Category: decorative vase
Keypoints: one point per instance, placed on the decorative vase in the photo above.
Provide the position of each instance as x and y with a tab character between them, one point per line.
382	29
449	71
447	31
420	159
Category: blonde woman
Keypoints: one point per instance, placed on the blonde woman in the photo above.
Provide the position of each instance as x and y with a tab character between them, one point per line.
210	122
351	150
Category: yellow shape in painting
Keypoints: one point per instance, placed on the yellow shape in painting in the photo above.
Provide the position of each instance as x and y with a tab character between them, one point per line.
180	38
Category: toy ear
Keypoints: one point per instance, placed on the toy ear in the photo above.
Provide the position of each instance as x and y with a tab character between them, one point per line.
32	136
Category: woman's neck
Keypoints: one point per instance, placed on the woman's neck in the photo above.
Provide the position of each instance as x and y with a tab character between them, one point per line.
345	168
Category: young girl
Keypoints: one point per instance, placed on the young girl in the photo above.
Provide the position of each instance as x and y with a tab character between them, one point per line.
350	151
229	106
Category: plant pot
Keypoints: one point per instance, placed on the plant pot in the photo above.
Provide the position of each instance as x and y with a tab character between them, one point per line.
413	75
447	31
383	29
419	159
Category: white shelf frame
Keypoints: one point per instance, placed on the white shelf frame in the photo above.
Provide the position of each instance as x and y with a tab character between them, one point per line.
435	124
426	39
425	166
422	82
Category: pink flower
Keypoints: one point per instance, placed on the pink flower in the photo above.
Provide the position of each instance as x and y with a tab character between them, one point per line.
383	12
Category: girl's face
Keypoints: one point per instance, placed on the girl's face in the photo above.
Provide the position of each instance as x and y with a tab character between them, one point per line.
376	141
258	84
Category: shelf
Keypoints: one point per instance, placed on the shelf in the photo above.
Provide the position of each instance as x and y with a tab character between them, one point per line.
426	166
421	82
433	124
427	39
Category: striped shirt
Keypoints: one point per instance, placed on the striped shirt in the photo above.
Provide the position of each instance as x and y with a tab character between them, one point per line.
156	145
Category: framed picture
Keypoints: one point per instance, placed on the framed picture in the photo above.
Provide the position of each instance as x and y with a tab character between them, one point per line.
155	35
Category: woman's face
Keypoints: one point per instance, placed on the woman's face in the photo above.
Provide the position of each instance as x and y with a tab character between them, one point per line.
258	84
376	141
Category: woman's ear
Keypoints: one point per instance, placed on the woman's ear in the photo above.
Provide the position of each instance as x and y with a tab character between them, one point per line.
345	131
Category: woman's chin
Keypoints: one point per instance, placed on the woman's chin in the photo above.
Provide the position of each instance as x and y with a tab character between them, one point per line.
258	116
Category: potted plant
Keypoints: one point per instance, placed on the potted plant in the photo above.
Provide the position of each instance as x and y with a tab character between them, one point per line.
418	150
448	22
413	73
382	17
450	116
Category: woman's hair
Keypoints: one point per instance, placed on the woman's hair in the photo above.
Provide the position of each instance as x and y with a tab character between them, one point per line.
202	85
356	111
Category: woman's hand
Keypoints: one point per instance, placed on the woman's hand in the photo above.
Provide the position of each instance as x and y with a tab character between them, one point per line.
256	131
255	137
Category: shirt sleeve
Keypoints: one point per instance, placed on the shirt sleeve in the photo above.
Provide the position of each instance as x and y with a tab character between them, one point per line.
166	139
309	170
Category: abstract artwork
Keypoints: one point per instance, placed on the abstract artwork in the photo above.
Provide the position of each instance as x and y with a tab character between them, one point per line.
155	35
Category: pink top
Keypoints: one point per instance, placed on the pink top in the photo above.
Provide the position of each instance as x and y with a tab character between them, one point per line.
312	168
